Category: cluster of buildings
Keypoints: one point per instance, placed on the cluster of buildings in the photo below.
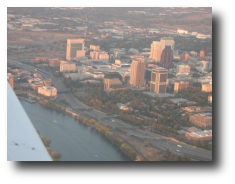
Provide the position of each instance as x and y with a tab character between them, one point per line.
139	70
194	34
20	22
35	82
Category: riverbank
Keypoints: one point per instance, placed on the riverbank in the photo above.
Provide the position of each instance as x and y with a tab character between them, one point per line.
97	126
27	99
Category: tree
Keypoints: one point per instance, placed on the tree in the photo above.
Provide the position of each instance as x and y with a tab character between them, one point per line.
46	141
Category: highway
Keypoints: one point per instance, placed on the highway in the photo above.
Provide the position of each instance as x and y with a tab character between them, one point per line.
157	141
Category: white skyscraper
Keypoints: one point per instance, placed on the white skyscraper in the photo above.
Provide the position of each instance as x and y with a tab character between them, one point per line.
75	49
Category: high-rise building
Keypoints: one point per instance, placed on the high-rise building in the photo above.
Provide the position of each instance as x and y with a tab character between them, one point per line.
183	69
67	67
166	57
167	41
184	57
159	78
202	54
75	49
155	53
137	72
158	47
180	86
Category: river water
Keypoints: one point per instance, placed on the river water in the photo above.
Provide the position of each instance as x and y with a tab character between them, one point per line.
74	140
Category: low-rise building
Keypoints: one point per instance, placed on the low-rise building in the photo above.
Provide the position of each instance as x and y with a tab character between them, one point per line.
206	65
210	99
38	60
112	83
180	86
47	91
95	47
36	84
46	82
207	87
201	120
54	63
192	109
182	31
124	107
183	69
199	135
67	67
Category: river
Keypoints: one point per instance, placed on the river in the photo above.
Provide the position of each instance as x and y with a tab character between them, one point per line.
74	140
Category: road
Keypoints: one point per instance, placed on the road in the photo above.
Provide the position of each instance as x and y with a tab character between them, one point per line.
157	141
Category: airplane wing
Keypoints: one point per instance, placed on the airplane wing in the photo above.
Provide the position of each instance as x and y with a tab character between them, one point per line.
23	141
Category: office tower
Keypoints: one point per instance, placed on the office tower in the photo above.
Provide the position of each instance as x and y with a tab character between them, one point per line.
184	57
158	81
158	47
167	41
202	54
166	57
137	72
155	53
180	86
75	49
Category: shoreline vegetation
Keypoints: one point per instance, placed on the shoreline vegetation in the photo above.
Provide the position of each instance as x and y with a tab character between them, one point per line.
114	139
55	156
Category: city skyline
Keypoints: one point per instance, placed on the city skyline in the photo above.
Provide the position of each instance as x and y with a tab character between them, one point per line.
145	84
